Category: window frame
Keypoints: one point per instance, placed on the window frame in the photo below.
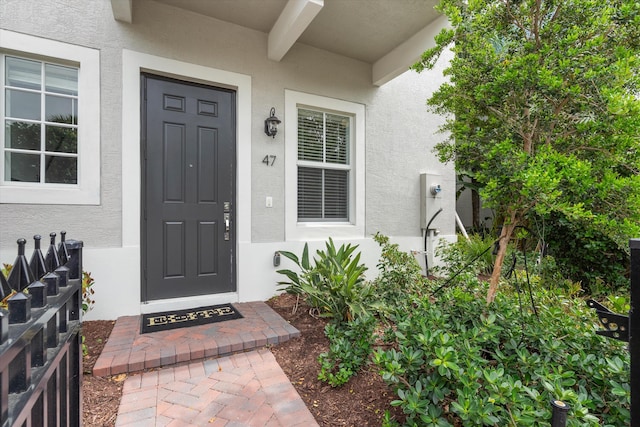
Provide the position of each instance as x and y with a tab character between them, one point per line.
87	60
317	230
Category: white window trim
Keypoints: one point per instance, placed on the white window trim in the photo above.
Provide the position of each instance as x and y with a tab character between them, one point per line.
87	191
295	230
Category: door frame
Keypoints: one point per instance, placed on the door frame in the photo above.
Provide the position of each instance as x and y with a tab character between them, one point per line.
133	64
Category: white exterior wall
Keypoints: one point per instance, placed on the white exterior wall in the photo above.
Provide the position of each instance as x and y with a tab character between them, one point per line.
400	134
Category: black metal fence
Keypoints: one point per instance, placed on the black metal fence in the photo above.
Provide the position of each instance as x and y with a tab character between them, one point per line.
40	341
627	328
634	332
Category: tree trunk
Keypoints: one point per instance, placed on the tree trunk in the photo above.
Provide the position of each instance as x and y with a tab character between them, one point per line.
505	236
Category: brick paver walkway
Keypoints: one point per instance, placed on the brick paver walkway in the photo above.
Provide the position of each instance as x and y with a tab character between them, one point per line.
210	375
244	389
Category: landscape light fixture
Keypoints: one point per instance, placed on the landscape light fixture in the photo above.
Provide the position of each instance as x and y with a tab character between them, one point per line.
271	123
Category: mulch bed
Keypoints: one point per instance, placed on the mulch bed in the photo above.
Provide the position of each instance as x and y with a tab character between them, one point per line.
361	402
100	396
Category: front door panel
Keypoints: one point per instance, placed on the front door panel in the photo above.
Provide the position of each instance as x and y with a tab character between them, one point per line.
189	189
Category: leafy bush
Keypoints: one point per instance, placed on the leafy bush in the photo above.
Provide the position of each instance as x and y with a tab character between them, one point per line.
462	252
334	284
458	360
350	346
586	254
399	280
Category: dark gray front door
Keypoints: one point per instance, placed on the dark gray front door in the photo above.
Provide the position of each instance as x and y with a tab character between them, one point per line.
188	141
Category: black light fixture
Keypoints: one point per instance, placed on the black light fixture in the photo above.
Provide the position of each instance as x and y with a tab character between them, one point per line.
271	123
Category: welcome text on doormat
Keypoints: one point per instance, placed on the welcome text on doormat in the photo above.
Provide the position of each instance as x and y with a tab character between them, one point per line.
190	317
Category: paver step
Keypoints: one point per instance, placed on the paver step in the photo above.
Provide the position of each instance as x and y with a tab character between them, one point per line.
127	350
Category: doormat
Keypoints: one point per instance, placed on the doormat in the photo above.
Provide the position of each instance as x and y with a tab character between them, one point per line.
164	321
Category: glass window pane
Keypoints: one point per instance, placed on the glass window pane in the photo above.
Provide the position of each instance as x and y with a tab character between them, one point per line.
336	194
61	139
309	194
61	110
310	135
61	79
23	73
22	135
61	170
22	105
20	167
337	139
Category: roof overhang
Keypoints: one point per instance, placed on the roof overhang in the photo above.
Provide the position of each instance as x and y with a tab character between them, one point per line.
389	35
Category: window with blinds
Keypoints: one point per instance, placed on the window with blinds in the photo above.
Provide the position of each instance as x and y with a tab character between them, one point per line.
324	166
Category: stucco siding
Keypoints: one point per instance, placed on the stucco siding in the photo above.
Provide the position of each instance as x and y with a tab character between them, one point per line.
400	132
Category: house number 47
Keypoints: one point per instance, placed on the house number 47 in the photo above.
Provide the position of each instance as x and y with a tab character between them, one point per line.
269	160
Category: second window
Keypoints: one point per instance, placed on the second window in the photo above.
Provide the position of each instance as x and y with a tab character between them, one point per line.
324	166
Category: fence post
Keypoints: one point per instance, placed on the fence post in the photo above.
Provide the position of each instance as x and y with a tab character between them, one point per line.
634	332
559	413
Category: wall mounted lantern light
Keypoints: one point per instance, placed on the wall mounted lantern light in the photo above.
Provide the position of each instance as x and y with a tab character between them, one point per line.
271	123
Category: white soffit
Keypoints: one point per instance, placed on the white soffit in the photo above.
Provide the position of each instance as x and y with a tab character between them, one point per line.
122	10
408	53
294	19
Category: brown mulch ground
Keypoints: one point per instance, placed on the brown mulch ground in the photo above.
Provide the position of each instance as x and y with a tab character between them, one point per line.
360	402
100	396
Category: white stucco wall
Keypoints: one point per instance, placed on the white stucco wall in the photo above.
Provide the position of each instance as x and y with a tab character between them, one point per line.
400	133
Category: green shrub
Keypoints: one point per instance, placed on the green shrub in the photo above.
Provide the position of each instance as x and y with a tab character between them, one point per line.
457	360
334	284
586	254
399	280
349	349
456	255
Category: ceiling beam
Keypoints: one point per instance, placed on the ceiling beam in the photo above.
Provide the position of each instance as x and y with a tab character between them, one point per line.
408	53
122	10
294	19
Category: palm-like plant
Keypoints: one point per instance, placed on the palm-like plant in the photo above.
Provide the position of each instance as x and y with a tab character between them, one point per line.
334	284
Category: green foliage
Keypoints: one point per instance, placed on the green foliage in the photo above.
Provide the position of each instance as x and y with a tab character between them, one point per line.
334	284
87	292
457	360
6	269
349	349
464	251
399	277
543	110
586	255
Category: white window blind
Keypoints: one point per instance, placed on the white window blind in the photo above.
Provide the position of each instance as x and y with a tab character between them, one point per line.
323	166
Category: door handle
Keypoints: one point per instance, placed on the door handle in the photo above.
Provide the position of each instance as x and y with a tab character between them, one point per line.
227	217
